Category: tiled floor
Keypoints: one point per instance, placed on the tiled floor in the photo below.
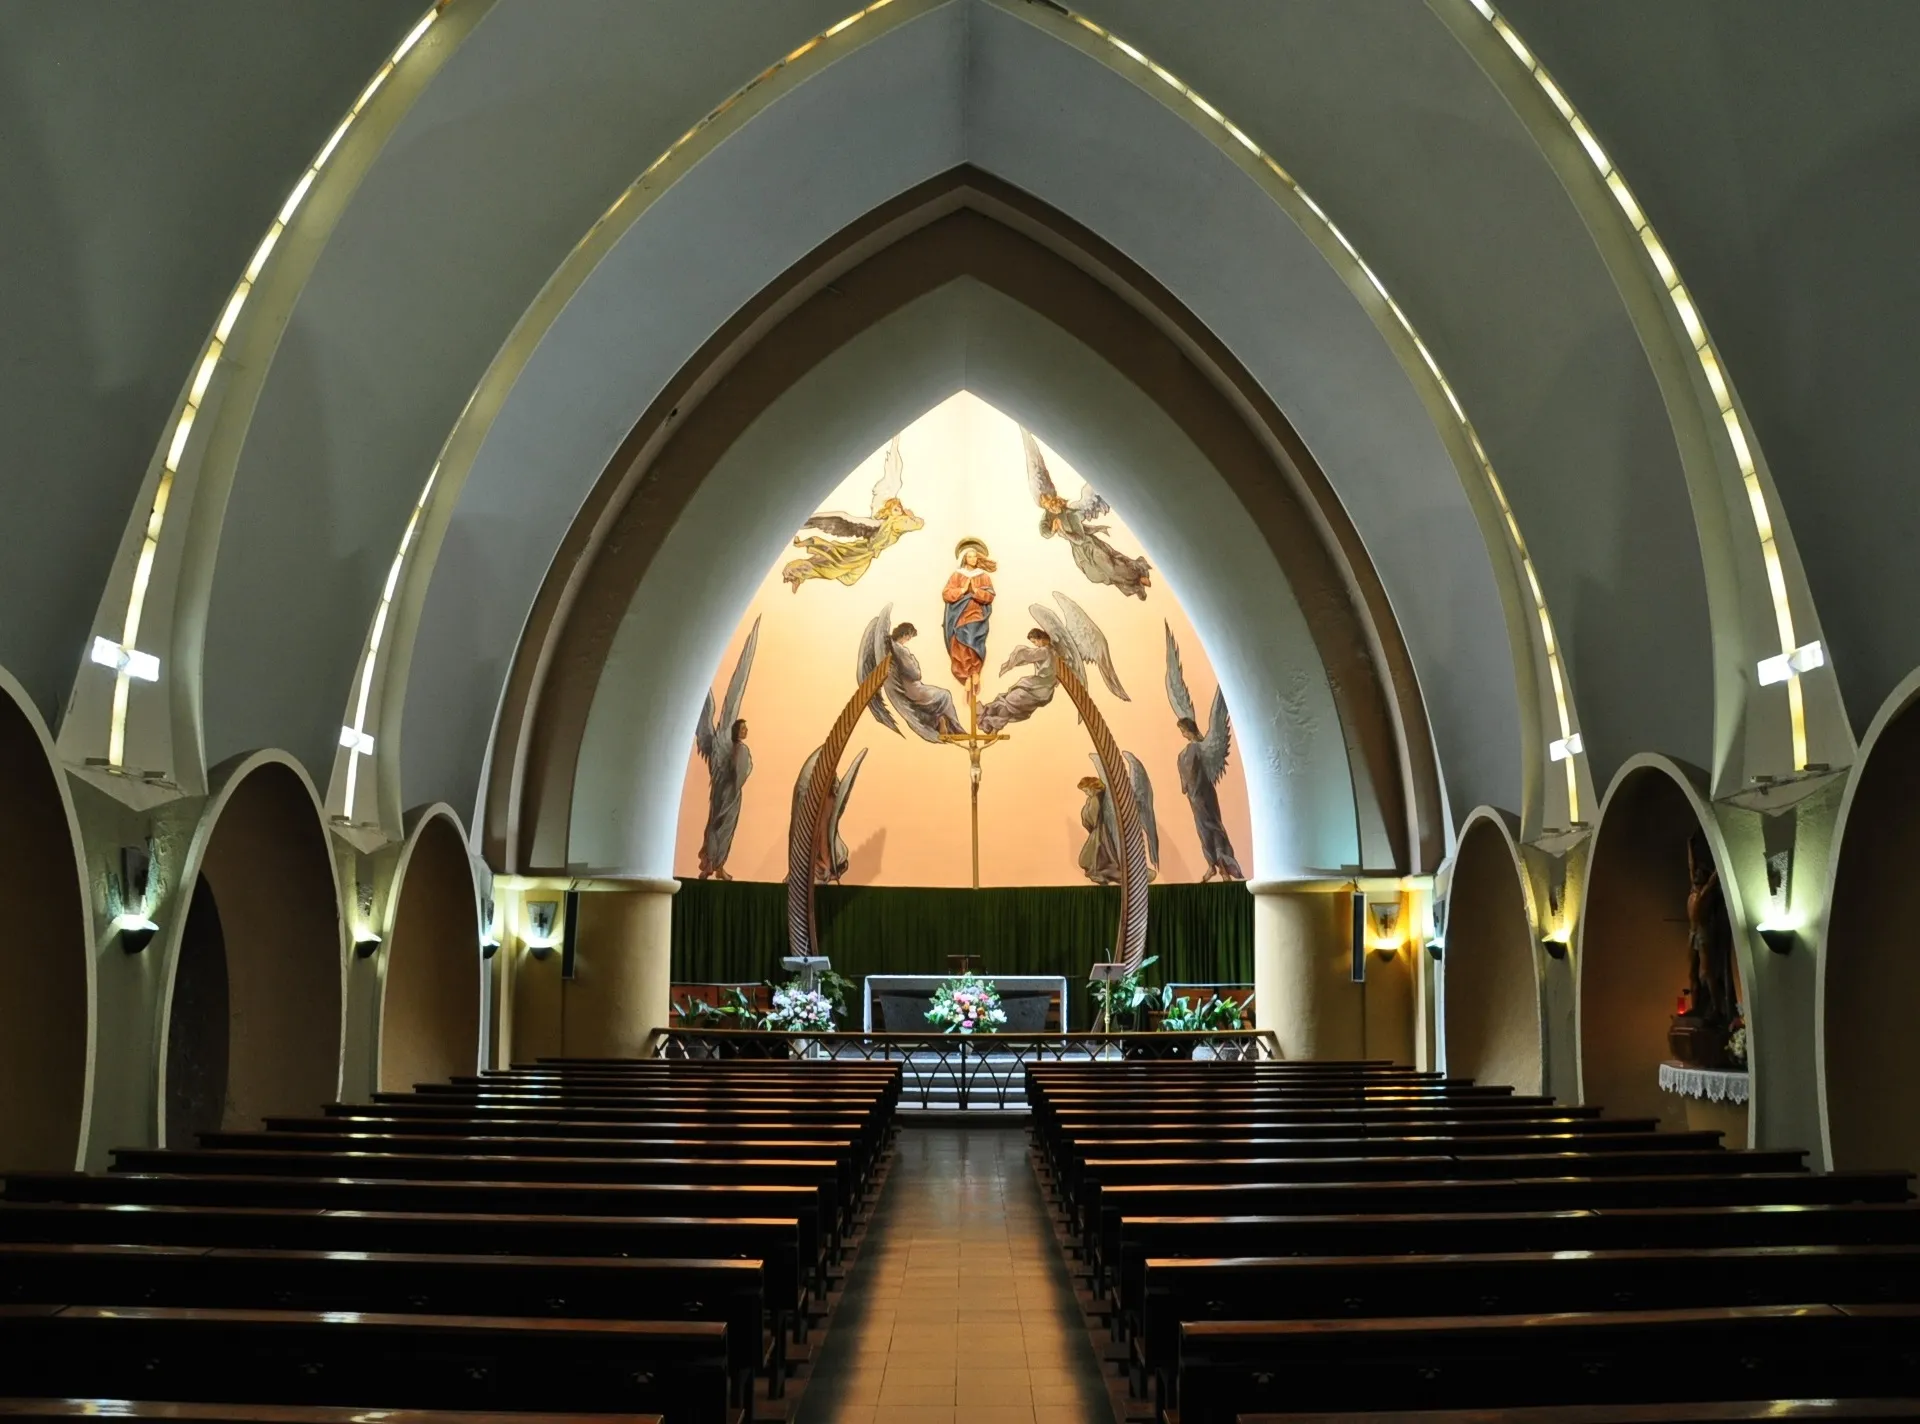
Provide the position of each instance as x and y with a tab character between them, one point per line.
959	1307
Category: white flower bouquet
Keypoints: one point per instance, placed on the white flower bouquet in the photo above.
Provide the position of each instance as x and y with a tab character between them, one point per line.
967	1004
797	1010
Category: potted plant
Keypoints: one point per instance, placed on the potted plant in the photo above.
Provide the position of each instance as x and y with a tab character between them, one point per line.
1213	1014
1125	1002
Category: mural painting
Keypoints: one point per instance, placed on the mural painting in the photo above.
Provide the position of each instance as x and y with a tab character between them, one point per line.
1019	808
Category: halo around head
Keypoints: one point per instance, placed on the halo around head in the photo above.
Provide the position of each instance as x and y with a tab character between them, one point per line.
970	542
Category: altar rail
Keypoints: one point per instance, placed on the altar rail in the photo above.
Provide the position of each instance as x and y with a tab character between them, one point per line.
981	1072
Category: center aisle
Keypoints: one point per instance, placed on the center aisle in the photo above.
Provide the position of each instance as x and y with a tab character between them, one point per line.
958	1307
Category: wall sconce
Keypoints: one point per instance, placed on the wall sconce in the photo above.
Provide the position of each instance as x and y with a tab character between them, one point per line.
1436	950
365	943
541	915
1556	944
136	931
1779	938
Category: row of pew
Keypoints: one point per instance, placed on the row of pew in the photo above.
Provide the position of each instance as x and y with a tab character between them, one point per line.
647	1239
1359	1240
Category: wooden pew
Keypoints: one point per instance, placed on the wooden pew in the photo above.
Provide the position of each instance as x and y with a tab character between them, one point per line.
59	1411
1793	1352
575	1287
1499	1196
1509	1283
678	1369
1712	1412
1407	1236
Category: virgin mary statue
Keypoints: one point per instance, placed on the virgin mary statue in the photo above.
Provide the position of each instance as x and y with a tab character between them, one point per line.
969	600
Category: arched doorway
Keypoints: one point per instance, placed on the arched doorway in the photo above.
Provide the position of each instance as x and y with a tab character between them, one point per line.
263	925
46	1034
1634	949
1870	976
430	1003
1493	1014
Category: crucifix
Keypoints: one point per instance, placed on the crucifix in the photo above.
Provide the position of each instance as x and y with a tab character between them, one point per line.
976	742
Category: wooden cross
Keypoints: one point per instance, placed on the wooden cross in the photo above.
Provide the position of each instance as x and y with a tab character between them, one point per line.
975	741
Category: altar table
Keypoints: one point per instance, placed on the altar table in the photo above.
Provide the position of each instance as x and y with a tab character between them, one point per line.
1020	994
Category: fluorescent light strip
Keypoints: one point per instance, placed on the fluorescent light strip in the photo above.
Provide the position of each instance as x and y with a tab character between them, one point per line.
203	377
1688	315
353	735
1555	674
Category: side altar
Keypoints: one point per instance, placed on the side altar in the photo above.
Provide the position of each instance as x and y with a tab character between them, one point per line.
898	1003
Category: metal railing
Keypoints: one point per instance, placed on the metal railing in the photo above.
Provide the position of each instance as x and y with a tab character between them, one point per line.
981	1071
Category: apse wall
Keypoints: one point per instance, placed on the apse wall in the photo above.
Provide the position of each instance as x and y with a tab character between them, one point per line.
264	852
1494	1023
963	474
964	335
1870	975
430	1001
46	1031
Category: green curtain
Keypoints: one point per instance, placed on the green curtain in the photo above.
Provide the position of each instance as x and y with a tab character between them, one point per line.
735	931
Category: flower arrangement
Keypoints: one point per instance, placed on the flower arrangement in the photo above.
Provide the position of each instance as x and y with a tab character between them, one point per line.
967	1004
798	1010
1737	1043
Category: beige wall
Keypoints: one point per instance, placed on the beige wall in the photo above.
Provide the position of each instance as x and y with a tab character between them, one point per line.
907	823
430	1007
1870	996
264	852
1303	983
1633	949
44	1007
1493	992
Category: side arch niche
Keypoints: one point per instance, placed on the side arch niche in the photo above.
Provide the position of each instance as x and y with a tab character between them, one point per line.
253	995
1634	951
430	1002
46	1028
1493	1015
1870	976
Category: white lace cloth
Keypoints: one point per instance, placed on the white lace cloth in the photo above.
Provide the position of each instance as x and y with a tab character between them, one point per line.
1715	1085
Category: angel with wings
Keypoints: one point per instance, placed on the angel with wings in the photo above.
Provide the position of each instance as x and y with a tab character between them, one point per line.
1073	521
1078	641
928	710
1100	856
722	743
1203	761
842	547
831	864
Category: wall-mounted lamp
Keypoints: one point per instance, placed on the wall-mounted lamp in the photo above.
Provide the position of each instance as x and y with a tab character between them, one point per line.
1782	666
1436	950
541	916
489	948
1560	748
136	931
1556	945
365	943
1779	938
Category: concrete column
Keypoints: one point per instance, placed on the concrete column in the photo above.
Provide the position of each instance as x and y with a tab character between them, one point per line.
622	975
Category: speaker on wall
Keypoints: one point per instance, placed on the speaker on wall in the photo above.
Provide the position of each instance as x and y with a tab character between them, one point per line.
1359	970
570	934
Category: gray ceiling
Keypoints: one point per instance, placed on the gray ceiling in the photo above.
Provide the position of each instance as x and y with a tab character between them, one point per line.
144	149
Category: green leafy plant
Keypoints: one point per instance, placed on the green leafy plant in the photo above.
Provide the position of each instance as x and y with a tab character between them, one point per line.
735	1010
1127	1000
1212	1014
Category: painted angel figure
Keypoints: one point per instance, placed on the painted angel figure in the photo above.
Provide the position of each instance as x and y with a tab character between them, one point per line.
722	743
834	859
1073	521
1100	855
928	710
1203	761
1070	633
842	547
